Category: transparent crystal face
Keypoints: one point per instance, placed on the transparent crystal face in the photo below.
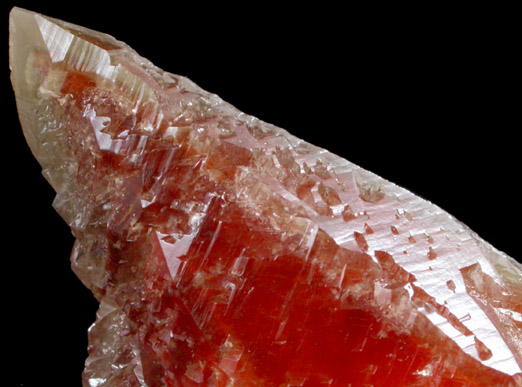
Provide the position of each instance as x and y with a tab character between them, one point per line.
225	251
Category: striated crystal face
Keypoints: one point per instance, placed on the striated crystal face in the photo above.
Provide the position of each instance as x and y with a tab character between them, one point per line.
226	252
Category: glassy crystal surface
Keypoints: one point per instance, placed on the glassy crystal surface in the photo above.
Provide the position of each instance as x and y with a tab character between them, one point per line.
226	252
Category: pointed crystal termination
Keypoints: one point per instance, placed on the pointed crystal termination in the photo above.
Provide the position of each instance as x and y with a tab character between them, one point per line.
226	252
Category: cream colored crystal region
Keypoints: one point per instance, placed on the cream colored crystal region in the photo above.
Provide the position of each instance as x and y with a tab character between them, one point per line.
461	273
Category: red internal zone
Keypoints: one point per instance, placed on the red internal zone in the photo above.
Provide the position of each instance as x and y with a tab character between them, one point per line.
284	324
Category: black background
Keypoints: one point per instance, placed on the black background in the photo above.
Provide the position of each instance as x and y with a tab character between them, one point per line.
422	97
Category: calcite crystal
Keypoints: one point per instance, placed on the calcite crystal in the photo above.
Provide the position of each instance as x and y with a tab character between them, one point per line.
226	252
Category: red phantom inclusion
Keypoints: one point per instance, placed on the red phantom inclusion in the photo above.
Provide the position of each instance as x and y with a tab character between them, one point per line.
226	252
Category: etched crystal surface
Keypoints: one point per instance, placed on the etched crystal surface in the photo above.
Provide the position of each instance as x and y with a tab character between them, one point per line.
226	252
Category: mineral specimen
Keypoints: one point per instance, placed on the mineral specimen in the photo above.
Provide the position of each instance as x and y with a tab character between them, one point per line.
226	252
